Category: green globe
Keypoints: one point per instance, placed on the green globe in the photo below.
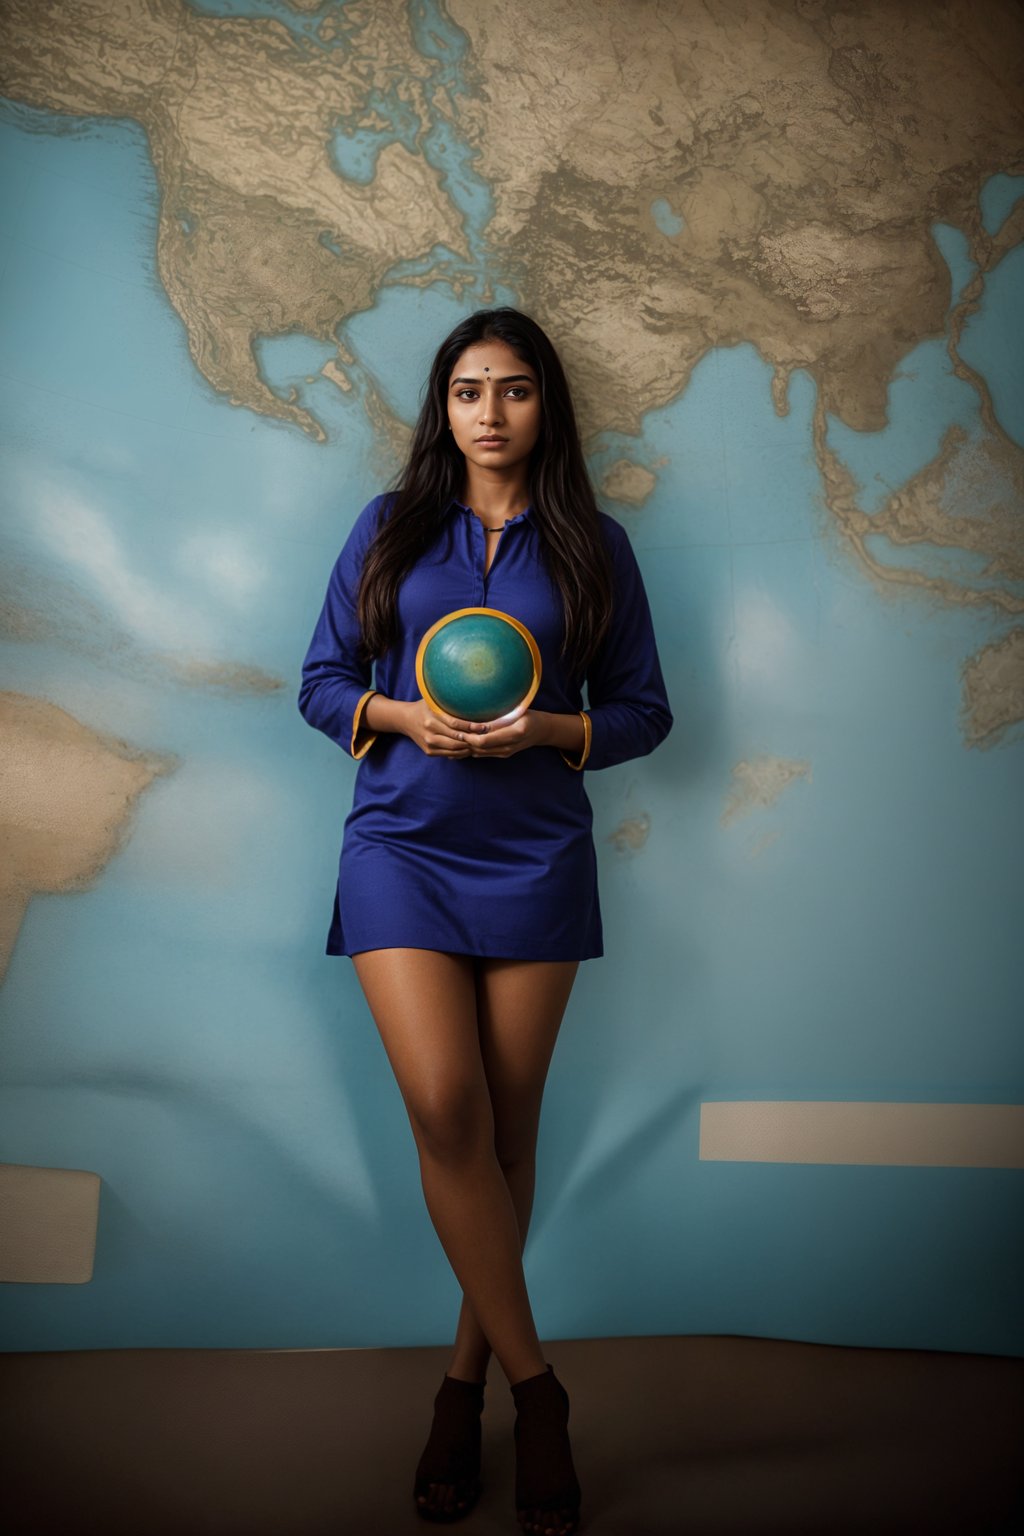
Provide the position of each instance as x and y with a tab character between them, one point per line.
478	664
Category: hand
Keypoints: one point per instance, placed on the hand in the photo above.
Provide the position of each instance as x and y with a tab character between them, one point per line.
530	729
437	735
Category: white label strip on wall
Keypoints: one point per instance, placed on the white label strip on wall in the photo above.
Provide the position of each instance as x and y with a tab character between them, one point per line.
48	1223
838	1131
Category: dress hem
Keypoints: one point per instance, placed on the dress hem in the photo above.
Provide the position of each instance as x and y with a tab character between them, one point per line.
459	949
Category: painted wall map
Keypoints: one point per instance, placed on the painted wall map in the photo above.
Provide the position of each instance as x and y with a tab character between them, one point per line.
779	244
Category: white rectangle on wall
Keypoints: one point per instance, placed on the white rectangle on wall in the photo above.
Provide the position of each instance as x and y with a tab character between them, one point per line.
840	1131
48	1224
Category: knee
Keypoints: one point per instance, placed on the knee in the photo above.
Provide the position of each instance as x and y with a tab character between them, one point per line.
453	1125
515	1140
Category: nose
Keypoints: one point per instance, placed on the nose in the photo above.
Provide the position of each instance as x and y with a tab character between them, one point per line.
490	406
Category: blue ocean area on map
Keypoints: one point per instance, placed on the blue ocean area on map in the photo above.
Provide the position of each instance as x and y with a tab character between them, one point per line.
997	198
993	342
305	28
176	529
107	350
926	396
666	218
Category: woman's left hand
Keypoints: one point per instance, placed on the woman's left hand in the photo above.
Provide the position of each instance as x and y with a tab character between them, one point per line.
529	730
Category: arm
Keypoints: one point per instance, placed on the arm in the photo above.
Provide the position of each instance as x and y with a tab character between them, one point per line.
626	698
628	712
436	735
337	696
336	686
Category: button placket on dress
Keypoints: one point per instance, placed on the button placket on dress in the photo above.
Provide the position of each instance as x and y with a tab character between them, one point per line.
479	542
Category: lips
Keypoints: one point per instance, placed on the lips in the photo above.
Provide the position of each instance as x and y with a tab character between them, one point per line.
495	440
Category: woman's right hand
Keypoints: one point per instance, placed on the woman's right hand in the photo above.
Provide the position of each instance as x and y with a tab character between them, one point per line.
436	735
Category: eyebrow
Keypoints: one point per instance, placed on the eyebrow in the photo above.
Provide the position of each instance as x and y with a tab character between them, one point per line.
510	378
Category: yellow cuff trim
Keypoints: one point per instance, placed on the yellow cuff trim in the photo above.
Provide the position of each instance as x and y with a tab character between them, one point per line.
356	720
587	734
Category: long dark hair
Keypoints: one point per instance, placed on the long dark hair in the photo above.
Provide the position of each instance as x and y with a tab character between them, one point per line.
561	494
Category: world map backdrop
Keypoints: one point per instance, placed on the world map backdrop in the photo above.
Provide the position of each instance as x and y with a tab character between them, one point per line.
778	244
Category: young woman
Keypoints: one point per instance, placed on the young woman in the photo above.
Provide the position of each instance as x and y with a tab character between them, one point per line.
467	891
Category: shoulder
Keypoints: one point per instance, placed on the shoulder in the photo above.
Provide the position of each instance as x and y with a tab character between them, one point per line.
374	514
349	563
614	533
617	542
367	523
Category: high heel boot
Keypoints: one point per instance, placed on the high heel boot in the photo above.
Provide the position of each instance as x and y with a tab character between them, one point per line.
452	1452
547	1490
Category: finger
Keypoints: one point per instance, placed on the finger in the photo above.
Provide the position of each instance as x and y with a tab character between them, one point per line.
448	741
476	727
439	725
493	749
499	738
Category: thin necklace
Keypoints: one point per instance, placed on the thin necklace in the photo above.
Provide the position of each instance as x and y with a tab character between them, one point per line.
499	529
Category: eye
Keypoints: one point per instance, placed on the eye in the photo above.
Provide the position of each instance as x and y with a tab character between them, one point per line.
465	390
519	391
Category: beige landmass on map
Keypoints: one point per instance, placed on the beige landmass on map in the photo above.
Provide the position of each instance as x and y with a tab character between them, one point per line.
993	687
970	497
631	834
628	482
759	782
337	376
239	119
806	149
67	800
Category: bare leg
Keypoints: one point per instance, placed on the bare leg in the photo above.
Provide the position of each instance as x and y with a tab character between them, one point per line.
444	1038
425	1007
520	1006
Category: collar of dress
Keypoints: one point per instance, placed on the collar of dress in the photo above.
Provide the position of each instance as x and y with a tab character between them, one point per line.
521	517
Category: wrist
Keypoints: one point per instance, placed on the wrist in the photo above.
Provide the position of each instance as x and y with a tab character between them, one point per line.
384	714
545	727
565	732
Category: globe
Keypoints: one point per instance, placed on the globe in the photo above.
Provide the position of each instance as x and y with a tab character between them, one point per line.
478	664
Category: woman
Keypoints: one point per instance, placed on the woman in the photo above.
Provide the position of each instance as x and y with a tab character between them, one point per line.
467	891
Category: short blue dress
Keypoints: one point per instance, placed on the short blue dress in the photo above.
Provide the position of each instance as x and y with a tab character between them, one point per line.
477	856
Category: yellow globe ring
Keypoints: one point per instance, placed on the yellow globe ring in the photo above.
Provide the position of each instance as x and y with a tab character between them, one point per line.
494	613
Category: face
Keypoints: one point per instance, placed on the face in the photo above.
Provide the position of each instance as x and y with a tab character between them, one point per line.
493	394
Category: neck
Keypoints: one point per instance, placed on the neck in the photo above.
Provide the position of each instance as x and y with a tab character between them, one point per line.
495	498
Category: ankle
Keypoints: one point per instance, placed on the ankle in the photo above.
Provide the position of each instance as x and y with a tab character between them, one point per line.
536	1374
471	1371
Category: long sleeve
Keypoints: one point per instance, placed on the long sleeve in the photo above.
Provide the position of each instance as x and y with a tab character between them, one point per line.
626	698
336	683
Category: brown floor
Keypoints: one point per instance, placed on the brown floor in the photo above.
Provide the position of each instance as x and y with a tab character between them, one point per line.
688	1435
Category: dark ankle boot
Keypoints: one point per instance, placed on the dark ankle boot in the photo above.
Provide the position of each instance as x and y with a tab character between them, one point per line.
452	1452
547	1490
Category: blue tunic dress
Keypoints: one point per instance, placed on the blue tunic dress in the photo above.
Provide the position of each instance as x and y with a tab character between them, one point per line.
477	856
